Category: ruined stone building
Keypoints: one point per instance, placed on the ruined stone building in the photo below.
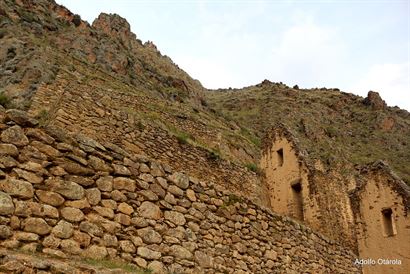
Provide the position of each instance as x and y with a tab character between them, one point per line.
369	215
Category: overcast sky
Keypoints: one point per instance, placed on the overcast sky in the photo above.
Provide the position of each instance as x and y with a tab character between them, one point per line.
356	46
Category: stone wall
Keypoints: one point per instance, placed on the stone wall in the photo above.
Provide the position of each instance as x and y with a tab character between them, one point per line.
125	118
68	195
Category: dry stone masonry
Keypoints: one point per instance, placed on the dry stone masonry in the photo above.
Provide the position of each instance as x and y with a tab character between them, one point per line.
68	195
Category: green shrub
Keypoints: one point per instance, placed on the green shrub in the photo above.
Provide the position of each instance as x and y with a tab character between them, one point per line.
214	155
4	100
42	117
183	137
252	167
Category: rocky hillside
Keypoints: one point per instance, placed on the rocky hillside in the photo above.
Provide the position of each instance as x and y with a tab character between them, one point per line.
44	45
339	129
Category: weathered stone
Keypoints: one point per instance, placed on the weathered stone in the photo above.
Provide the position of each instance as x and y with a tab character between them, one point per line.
49	211
110	240
157	267
14	135
147	253
122	219
95	252
149	235
125	208
5	232
91	228
50	198
191	195
51	242
146	177
127	246
93	196
6	204
28	176
150	210
139	222
36	225
105	183
34	167
20	117
46	149
82	238
7	162
203	259
271	255
57	171
80	204
81	180
8	149
180	252
175	217
40	135
118	196
157	189
72	214
175	190
70	246
169	198
124	183
104	211
17	188
121	170
68	189
76	169
63	230
180	179
26	236
60	254
149	195
140	262
162	182
99	164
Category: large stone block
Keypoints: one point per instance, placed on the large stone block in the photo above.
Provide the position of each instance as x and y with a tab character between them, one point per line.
68	189
6	204
17	188
14	135
150	210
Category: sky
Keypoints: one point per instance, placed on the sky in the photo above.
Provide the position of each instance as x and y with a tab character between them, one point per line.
353	45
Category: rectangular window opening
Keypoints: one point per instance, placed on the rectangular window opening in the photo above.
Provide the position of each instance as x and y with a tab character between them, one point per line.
388	222
297	200
279	153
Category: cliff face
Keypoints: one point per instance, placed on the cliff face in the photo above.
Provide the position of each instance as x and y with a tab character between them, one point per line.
33	30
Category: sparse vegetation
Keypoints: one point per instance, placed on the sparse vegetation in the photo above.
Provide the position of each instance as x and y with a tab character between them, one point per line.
4	100
252	167
214	155
42	117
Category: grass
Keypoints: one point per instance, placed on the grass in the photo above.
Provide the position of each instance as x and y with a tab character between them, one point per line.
5	100
253	167
43	117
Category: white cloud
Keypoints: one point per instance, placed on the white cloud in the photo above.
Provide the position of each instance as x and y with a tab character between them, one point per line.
210	73
392	81
309	54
